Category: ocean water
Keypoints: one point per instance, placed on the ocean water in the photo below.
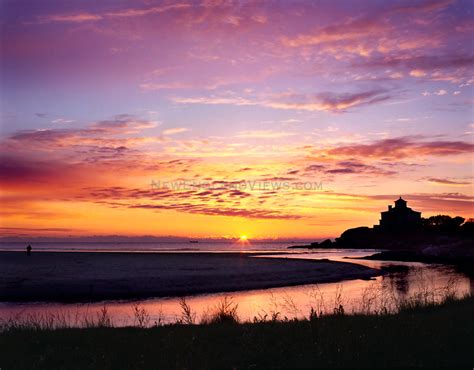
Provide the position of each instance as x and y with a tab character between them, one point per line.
186	246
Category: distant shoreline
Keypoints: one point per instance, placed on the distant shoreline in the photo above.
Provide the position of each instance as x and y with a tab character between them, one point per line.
91	276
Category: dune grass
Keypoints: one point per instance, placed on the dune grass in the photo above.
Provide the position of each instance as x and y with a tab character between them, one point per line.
418	335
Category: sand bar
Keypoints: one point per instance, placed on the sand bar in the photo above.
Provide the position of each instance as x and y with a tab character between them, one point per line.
70	277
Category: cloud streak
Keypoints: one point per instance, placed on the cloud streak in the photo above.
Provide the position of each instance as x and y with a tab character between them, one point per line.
404	147
189	201
325	101
123	13
447	182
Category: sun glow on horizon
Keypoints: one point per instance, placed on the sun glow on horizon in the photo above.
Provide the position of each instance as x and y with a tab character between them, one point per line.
243	240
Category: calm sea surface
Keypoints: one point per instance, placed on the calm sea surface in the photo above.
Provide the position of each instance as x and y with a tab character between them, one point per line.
404	280
187	247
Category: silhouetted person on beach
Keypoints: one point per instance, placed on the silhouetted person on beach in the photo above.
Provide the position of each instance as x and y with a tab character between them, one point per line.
28	250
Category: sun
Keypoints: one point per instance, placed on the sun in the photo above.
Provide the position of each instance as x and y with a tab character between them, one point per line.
242	240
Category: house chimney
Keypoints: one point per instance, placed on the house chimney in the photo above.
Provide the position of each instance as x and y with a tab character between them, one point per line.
389	208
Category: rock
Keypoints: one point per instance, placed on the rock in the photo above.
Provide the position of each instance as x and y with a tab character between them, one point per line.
358	237
326	244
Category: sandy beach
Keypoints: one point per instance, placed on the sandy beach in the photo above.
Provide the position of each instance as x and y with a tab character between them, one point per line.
69	277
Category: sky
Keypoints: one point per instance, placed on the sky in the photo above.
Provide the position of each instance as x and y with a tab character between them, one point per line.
271	119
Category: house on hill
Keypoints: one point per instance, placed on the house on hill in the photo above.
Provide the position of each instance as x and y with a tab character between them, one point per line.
399	218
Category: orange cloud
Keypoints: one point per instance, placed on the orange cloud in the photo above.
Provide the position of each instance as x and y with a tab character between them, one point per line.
218	201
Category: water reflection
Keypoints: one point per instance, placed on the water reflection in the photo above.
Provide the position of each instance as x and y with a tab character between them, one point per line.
401	280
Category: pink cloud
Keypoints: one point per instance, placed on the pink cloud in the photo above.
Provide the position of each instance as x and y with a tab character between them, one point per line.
70	18
123	13
351	30
447	182
135	12
326	101
175	130
403	147
102	133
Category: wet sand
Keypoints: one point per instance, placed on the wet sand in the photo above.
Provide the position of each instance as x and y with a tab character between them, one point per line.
79	277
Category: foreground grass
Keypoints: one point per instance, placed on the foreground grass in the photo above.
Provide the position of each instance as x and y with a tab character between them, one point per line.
430	336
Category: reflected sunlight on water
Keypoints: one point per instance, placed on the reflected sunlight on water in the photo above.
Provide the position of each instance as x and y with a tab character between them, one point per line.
403	280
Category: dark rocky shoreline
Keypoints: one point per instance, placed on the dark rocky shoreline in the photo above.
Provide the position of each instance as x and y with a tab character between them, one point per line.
446	244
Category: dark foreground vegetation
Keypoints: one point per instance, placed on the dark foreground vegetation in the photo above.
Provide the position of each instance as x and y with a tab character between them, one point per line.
430	336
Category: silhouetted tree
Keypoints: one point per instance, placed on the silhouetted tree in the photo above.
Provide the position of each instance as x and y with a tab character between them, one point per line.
467	228
443	223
